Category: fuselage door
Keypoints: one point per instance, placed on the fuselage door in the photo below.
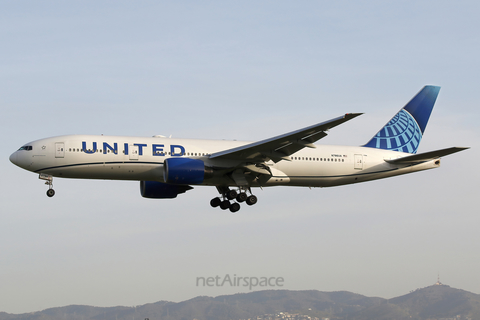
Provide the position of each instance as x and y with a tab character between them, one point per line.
59	149
133	151
358	158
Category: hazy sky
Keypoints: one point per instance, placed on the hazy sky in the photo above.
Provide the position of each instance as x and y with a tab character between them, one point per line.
244	70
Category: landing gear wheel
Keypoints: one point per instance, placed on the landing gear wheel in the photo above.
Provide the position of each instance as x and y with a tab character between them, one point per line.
234	207
215	202
50	193
225	205
231	194
251	200
241	197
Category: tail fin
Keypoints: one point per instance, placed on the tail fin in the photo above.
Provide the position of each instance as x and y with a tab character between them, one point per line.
405	130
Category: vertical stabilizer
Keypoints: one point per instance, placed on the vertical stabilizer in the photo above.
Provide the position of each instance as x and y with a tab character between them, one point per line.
405	131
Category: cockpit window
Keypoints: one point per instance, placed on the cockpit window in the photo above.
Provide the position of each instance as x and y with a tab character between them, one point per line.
28	148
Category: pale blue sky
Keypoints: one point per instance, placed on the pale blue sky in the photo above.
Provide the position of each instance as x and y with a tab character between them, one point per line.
247	71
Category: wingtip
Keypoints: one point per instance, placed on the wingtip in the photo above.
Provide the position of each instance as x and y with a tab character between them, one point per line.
352	115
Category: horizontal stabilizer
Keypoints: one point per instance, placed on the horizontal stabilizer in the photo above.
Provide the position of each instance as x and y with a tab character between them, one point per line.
427	155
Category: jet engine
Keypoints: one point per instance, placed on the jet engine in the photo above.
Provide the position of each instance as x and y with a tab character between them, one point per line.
159	190
185	171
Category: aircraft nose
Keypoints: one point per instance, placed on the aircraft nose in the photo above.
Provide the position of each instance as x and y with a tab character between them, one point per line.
20	160
13	158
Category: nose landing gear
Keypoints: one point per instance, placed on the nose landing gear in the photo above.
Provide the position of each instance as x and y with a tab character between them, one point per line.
48	181
228	194
50	193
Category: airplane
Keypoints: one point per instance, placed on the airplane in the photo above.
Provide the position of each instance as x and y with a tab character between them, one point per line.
167	167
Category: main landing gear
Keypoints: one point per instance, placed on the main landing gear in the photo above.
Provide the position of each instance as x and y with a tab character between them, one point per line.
49	182
228	195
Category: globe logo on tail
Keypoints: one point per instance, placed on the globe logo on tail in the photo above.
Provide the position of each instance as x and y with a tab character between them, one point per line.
402	133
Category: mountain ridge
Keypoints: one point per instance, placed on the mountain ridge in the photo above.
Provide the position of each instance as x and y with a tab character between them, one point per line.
433	302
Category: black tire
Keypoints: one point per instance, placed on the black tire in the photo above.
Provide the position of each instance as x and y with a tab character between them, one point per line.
251	200
231	194
241	197
234	207
225	205
50	193
215	202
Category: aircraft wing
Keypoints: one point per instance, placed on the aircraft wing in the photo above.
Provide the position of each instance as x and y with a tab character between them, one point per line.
427	155
281	147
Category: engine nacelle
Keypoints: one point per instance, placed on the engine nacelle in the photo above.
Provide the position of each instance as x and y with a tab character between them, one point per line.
185	171
159	190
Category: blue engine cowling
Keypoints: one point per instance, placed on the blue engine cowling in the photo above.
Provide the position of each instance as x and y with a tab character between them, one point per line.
159	190
185	171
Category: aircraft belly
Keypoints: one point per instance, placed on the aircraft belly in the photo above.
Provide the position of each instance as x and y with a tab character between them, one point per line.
380	172
110	171
316	174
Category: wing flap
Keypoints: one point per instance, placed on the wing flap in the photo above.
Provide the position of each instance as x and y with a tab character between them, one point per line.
427	155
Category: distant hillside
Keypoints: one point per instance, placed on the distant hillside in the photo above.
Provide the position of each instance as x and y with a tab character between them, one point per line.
434	302
440	301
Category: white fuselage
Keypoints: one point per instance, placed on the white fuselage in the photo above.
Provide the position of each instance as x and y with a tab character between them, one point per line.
139	158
